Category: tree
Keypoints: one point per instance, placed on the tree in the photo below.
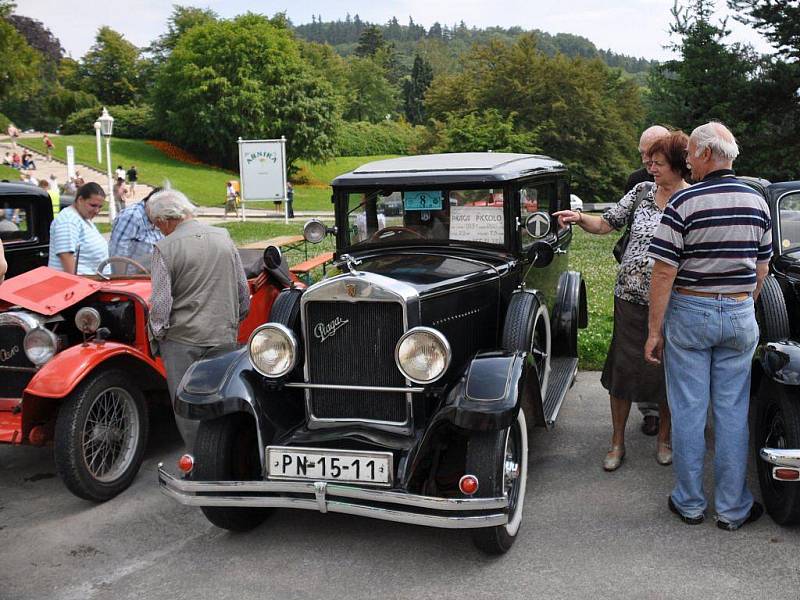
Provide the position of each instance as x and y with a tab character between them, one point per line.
182	19
371	96
110	69
243	77
778	20
18	77
38	37
415	88
370	41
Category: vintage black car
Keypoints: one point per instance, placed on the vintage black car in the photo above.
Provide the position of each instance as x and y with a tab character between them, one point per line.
776	368
26	212
403	388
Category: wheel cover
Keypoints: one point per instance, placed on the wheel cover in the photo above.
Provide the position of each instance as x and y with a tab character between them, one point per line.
540	348
109	434
515	471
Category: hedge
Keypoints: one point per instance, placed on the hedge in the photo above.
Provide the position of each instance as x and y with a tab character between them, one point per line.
361	138
134	122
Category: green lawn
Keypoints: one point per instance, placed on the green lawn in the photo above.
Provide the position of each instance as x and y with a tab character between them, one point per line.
203	184
591	255
7	172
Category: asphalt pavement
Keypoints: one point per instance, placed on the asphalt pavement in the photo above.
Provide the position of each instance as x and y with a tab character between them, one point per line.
586	534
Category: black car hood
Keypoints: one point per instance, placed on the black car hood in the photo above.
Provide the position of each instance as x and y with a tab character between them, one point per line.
435	271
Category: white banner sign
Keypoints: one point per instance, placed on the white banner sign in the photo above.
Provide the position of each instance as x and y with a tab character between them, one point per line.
477	224
262	168
70	162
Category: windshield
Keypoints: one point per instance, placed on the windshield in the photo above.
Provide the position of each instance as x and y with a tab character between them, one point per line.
390	216
790	223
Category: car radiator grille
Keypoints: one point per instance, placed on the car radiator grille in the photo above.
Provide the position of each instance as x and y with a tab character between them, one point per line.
360	352
15	368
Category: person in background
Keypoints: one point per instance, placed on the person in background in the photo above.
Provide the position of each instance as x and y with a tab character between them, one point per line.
27	161
120	172
7	159
13	133
16	161
133	177
120	192
199	291
72	229
54	197
626	375
711	253
649	410
78	180
134	235
3	263
48	145
290	199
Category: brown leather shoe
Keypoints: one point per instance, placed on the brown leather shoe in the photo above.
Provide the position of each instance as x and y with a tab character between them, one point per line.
613	459
650	425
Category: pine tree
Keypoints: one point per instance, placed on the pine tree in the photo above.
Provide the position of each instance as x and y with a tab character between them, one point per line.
415	88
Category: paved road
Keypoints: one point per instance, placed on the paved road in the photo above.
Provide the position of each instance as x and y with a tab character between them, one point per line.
586	534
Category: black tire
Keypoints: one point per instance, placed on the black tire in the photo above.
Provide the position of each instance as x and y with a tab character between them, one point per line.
98	462
777	425
486	459
773	318
286	308
527	328
226	449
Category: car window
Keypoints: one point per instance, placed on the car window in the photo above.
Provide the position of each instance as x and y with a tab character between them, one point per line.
388	216
789	215
538	197
15	221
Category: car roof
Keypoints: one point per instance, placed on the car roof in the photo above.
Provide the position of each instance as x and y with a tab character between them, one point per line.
21	189
465	167
777	189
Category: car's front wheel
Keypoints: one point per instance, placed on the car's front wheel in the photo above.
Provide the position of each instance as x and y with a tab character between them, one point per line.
777	426
226	449
100	435
499	459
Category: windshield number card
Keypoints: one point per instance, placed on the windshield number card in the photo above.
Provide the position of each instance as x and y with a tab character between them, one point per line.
431	200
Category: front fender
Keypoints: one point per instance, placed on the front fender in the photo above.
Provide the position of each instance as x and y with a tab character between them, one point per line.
780	361
491	391
67	369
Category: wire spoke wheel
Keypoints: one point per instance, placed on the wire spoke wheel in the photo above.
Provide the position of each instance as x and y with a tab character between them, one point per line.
109	434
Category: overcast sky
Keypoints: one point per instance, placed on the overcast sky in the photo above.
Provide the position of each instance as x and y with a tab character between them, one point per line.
633	27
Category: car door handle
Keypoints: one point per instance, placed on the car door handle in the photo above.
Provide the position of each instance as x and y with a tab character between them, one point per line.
559	251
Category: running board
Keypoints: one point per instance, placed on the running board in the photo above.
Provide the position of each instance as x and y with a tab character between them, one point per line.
563	370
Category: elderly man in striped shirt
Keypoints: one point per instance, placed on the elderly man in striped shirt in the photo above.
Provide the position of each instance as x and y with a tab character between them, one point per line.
711	253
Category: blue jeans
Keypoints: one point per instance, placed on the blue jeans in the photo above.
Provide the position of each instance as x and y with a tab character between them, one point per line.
708	346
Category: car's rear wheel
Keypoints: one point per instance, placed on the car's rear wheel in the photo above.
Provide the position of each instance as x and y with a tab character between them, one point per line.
226	449
777	426
499	459
771	313
527	327
100	435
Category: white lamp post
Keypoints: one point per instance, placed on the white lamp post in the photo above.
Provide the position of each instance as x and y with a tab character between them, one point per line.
99	147
106	128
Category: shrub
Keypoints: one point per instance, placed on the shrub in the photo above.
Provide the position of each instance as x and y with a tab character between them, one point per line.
134	122
361	138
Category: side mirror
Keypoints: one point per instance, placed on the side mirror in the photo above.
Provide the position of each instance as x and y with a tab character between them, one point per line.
541	254
538	225
277	266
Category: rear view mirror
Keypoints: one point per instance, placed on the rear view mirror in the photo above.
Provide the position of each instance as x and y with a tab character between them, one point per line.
541	254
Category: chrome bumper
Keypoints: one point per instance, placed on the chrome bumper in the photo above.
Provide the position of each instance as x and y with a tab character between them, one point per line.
781	457
449	513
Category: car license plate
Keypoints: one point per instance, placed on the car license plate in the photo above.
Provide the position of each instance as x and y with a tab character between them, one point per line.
347	466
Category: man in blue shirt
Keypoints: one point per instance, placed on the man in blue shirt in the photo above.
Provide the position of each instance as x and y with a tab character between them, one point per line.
133	236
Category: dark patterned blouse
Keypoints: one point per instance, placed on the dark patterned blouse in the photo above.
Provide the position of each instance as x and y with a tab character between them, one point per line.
633	277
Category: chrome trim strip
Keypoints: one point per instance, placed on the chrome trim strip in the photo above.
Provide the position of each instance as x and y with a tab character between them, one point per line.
183	492
364	287
22	319
356	388
781	457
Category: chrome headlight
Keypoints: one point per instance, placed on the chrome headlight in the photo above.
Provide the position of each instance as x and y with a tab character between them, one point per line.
314	231
423	355
273	350
40	345
87	320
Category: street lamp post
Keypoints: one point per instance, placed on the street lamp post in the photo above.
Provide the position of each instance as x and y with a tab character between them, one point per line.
106	128
97	137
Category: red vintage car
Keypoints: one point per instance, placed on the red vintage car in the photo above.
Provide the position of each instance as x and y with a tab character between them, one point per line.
76	370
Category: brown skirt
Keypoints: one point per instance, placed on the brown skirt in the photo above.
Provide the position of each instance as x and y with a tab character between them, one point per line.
626	374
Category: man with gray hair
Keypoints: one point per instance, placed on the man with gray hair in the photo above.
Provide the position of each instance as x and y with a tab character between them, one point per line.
711	252
199	294
649	410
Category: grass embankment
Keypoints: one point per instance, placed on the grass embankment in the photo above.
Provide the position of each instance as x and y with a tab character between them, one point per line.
203	184
8	173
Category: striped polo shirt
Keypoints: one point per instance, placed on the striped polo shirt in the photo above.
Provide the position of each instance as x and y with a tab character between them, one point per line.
68	230
714	233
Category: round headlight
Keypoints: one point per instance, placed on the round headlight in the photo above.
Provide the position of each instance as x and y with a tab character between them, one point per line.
314	231
40	345
87	320
273	350
423	355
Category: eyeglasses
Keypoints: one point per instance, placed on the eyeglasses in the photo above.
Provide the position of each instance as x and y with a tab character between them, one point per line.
654	163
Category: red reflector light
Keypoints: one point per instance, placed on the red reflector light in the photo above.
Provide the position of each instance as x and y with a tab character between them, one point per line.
186	463
468	484
37	436
786	474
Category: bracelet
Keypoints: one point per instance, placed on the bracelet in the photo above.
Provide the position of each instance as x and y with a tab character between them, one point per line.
580	217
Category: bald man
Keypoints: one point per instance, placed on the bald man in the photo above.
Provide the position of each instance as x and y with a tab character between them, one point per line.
649	410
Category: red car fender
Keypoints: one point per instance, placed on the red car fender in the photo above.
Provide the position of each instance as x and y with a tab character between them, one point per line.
68	368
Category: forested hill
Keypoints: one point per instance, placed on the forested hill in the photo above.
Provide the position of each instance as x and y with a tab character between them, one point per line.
452	40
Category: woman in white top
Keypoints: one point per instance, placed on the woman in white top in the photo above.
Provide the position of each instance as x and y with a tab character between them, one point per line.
73	228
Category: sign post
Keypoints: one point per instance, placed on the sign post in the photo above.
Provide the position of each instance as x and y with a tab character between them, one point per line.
70	162
262	172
